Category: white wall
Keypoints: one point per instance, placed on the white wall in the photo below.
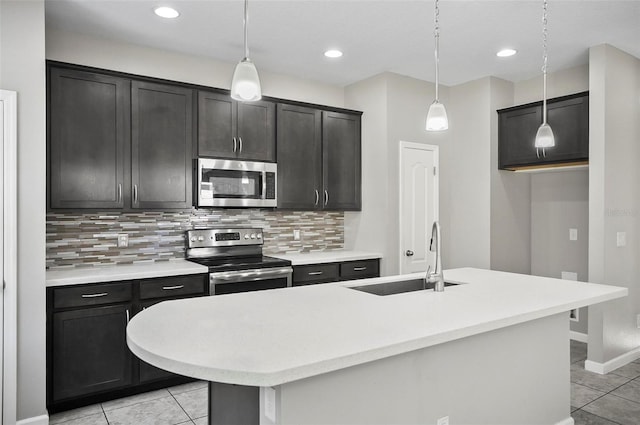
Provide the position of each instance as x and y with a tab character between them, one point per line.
614	198
101	53
22	68
395	108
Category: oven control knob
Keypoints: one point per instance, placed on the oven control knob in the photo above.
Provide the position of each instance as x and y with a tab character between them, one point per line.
200	238
246	236
259	236
253	236
193	239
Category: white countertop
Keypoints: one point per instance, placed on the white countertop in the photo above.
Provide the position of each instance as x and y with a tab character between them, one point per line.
302	258
267	338
112	273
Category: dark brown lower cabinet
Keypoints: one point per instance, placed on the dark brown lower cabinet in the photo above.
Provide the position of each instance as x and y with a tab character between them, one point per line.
90	351
88	360
311	274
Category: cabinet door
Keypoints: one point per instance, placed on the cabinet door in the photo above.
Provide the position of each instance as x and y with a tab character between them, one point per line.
161	143
569	120
517	133
341	161
216	125
88	135
299	148
256	131
89	351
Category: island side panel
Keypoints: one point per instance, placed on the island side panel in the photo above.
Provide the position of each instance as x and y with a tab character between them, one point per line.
518	374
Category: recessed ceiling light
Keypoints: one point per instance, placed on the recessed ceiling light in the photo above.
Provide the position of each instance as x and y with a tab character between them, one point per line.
333	53
166	12
505	53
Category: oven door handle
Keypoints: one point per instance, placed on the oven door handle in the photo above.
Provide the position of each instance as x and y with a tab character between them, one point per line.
250	275
264	185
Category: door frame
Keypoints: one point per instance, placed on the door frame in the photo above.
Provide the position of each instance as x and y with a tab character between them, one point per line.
403	145
8	212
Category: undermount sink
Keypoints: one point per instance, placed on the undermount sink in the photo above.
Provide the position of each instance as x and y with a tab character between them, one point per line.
397	287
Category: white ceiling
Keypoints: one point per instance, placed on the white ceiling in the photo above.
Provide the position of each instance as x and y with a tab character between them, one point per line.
289	37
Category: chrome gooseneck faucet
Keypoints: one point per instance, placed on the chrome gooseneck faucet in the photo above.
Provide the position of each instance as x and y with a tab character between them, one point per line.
436	276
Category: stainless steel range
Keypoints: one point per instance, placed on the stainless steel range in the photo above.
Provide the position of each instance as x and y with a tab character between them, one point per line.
235	260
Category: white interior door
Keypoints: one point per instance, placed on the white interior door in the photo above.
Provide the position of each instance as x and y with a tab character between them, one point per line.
418	204
8	256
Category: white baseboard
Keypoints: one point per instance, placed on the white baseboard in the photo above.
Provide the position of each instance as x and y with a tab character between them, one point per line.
567	421
36	420
578	336
613	364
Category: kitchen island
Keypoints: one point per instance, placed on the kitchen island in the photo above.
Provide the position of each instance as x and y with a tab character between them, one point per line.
492	350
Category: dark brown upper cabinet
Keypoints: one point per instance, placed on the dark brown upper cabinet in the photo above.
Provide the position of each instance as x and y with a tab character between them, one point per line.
318	159
88	118
568	117
161	142
236	130
117	143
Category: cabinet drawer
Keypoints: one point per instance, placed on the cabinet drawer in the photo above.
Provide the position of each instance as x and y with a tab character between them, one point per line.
315	273
176	286
90	295
359	269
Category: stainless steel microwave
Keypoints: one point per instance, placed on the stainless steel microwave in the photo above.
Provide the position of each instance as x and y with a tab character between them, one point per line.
231	183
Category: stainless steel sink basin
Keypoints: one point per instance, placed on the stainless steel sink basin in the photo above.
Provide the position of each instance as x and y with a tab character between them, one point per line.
398	287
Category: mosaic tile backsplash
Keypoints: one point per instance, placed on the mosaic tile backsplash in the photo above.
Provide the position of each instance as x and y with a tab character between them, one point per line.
91	239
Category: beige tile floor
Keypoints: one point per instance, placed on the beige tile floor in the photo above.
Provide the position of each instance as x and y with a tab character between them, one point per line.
595	400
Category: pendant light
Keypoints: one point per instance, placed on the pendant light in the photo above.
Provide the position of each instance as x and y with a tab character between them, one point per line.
245	85
544	136
437	116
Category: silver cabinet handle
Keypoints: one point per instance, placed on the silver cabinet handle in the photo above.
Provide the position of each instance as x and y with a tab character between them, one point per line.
359	269
171	288
326	197
119	192
240	143
127	315
317	197
135	193
235	144
408	253
544	152
101	294
314	273
538	152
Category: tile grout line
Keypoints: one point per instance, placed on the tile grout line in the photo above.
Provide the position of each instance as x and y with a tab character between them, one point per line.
185	412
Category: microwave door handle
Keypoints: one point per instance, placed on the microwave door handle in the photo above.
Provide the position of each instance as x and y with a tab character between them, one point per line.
264	184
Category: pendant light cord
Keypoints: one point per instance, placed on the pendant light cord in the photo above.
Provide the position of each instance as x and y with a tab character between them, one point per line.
436	34
544	62
246	30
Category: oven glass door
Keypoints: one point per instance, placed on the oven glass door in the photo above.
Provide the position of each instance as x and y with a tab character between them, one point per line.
249	280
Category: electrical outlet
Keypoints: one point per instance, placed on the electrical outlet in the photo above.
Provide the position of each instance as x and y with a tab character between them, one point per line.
621	239
443	420
573	234
574	316
296	235
123	240
569	275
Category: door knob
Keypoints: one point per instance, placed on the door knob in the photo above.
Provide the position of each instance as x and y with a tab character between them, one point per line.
408	253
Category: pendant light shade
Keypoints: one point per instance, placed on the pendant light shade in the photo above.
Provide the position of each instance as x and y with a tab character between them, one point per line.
544	136
437	116
245	84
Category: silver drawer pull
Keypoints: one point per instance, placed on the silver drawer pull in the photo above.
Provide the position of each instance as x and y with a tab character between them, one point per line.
128	316
171	288
359	269
314	273
102	294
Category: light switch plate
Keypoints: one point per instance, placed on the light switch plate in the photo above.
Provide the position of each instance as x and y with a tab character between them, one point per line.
569	275
573	234
296	235
621	239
